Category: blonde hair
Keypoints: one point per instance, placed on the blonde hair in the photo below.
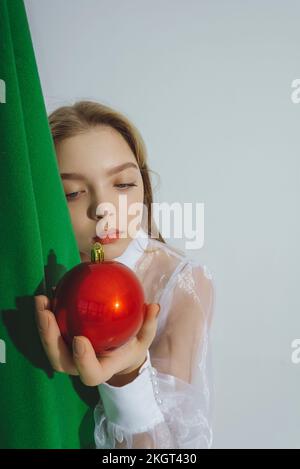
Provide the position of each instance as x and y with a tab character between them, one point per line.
68	121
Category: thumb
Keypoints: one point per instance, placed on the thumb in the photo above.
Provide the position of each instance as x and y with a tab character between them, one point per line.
148	330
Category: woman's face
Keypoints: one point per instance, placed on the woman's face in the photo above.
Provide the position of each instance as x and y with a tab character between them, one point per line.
88	165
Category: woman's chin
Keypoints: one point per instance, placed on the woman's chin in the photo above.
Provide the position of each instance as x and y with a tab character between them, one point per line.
111	250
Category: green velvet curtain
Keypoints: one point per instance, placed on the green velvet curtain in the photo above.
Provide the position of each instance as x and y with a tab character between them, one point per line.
39	408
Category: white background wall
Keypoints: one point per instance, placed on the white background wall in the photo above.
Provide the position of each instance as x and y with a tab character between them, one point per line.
208	83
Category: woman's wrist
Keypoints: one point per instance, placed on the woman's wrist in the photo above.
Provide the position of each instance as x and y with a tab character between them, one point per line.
125	378
134	407
122	380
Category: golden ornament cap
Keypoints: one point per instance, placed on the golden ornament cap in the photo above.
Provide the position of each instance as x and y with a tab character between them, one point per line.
97	252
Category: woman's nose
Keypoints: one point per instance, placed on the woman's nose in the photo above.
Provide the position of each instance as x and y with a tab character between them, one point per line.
100	213
95	214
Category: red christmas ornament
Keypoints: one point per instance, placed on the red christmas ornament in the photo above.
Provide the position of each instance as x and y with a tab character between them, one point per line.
101	300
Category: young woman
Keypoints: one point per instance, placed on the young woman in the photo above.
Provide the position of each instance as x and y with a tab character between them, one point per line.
155	391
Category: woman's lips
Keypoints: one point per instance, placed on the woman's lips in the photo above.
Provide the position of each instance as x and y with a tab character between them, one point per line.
107	237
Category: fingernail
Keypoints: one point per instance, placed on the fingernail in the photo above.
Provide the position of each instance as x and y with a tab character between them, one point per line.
78	346
43	320
158	310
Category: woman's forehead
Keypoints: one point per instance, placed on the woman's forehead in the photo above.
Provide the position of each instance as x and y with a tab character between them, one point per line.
99	150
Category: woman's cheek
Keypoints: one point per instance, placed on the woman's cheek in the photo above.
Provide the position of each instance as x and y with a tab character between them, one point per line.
137	195
130	203
76	216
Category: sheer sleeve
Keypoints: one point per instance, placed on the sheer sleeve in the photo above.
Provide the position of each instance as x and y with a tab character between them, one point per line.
169	404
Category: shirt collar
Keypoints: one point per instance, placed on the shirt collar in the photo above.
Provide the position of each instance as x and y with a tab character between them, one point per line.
134	249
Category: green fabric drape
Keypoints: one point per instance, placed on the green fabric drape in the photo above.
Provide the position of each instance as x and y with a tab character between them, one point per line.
39	408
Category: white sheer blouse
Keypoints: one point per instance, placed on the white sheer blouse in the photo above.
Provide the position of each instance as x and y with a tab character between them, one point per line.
168	405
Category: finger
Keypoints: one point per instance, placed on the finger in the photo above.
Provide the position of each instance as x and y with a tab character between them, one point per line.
90	368
148	330
95	370
52	341
41	302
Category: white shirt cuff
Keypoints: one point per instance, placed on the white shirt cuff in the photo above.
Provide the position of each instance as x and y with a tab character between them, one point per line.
134	406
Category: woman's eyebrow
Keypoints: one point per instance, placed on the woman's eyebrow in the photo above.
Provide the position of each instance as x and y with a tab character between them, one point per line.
121	167
110	172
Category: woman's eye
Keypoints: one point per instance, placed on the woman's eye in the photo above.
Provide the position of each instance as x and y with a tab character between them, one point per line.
72	195
125	186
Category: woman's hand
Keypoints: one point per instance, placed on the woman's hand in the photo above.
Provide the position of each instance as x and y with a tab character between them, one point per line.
114	366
